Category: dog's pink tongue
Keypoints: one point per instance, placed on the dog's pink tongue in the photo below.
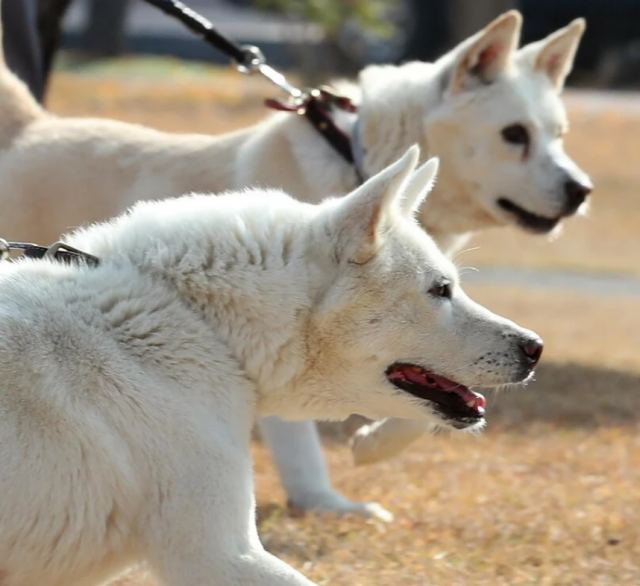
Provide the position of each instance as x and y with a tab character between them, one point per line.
417	375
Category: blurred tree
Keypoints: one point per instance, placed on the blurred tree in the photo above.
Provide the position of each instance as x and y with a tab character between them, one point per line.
358	31
332	14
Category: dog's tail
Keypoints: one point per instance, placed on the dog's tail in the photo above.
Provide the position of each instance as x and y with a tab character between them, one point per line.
18	107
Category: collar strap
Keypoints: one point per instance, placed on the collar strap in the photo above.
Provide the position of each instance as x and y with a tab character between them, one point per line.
57	251
316	107
359	152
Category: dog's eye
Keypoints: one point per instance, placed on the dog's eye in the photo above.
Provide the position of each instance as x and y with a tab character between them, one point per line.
442	289
516	134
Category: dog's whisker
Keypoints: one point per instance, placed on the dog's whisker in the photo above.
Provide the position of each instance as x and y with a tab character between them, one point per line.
459	253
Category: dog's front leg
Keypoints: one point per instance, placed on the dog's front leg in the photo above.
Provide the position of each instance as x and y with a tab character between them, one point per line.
202	530
297	452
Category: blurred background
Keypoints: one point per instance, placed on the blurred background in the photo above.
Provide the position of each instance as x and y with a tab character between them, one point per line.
550	493
343	35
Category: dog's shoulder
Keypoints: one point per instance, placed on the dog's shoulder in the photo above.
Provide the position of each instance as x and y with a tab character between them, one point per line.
67	317
70	334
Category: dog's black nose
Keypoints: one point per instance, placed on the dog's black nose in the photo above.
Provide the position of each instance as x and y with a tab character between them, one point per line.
532	349
576	193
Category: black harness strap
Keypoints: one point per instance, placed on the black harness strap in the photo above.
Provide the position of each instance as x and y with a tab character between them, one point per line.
316	108
317	113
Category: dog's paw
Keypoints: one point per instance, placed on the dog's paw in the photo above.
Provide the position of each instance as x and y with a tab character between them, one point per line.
366	448
334	502
385	439
376	511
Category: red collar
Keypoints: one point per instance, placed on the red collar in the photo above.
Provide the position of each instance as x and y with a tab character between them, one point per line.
316	106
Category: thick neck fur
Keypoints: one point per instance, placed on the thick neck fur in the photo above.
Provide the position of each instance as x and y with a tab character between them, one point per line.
252	278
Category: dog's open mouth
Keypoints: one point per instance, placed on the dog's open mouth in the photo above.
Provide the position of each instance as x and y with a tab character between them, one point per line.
454	402
528	220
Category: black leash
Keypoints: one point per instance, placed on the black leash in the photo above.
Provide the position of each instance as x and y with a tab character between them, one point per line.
57	251
315	105
199	25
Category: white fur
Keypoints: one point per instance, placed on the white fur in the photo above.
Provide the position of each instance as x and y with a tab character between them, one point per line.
128	391
58	173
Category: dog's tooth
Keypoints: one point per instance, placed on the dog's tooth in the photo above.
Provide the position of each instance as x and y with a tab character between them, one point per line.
476	401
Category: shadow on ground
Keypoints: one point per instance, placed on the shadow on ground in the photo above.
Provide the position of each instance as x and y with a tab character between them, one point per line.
572	395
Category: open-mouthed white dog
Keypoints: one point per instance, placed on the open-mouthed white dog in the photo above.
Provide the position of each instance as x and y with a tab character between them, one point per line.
128	390
491	112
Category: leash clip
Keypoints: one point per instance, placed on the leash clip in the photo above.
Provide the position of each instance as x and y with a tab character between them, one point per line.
5	250
294	103
57	251
60	250
255	62
253	59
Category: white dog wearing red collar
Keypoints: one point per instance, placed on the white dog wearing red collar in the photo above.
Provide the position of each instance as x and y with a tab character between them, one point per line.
128	390
490	111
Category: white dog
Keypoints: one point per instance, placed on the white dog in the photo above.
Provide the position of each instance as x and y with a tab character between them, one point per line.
493	114
128	390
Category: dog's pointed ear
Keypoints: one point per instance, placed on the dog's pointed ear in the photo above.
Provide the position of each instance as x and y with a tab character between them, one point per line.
483	57
365	215
554	55
419	186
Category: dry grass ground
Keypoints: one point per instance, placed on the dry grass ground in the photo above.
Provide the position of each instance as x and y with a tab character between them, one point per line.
549	495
